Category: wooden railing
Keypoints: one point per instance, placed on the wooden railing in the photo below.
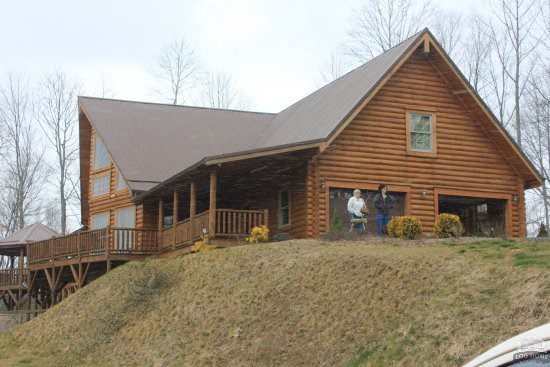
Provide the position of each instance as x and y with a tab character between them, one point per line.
96	242
229	223
10	277
232	222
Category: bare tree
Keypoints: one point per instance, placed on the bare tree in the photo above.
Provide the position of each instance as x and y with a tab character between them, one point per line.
336	66
537	135
477	48
220	91
447	27
57	113
102	86
177	70
378	25
23	169
517	19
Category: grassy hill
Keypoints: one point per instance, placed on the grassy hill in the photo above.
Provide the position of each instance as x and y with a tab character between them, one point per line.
297	303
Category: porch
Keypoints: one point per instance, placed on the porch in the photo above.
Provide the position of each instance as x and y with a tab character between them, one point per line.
125	244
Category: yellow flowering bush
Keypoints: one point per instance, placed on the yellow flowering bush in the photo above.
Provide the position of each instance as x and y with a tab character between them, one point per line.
203	245
448	225
406	226
258	234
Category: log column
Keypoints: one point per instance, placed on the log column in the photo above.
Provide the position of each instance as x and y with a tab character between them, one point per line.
174	219
160	224
192	209
212	213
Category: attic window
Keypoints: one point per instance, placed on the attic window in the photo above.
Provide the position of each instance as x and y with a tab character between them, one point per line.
120	182
421	133
101	156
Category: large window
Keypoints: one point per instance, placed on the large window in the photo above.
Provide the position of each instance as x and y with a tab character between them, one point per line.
100	220
120	182
124	218
101	156
100	185
421	133
284	208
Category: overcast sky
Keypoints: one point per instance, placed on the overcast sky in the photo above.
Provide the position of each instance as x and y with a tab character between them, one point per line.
273	49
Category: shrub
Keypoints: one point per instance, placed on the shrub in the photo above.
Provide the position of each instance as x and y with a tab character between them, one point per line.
258	234
335	223
203	245
282	236
406	226
448	225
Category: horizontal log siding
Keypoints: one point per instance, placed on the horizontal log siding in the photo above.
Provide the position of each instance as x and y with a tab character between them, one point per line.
116	199
373	149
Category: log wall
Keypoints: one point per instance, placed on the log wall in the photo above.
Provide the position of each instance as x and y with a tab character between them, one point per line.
372	149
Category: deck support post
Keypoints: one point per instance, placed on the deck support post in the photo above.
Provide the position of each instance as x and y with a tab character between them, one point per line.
174	219
266	218
212	210
20	276
192	208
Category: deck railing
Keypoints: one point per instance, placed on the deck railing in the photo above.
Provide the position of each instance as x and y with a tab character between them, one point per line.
10	277
229	223
232	222
92	243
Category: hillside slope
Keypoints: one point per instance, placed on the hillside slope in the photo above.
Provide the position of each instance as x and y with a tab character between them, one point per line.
298	303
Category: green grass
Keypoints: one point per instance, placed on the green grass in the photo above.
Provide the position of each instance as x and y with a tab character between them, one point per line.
297	303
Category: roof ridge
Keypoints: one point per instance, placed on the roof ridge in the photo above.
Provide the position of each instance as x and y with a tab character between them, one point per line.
425	29
176	105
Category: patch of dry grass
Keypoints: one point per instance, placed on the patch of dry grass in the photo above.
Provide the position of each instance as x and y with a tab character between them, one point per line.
296	303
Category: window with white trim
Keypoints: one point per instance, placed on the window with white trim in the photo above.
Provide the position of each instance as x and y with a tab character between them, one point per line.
100	220
421	132
100	185
101	156
284	208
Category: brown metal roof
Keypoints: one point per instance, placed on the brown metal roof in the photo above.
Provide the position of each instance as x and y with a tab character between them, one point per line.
34	232
152	144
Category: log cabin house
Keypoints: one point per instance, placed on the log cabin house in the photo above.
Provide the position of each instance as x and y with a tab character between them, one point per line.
154	176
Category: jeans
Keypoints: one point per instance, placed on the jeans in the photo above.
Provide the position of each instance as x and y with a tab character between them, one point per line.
381	221
358	227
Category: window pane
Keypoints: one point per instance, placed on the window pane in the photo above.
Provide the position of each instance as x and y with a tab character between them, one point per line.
101	157
125	218
421	123
284	212
120	182
100	220
421	142
100	185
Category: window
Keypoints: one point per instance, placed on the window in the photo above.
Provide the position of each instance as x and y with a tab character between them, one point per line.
120	182
124	218
101	156
100	220
421	133
100	185
284	208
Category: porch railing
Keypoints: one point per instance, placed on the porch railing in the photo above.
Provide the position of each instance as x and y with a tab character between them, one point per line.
96	242
232	222
10	277
229	223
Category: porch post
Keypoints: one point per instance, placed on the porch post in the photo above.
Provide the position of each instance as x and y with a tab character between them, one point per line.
159	224
174	219
192	209
212	213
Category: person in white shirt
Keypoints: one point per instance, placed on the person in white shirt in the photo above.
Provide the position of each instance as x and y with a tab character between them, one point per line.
355	203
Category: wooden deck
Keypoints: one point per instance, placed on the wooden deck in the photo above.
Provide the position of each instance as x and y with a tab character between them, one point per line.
125	244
